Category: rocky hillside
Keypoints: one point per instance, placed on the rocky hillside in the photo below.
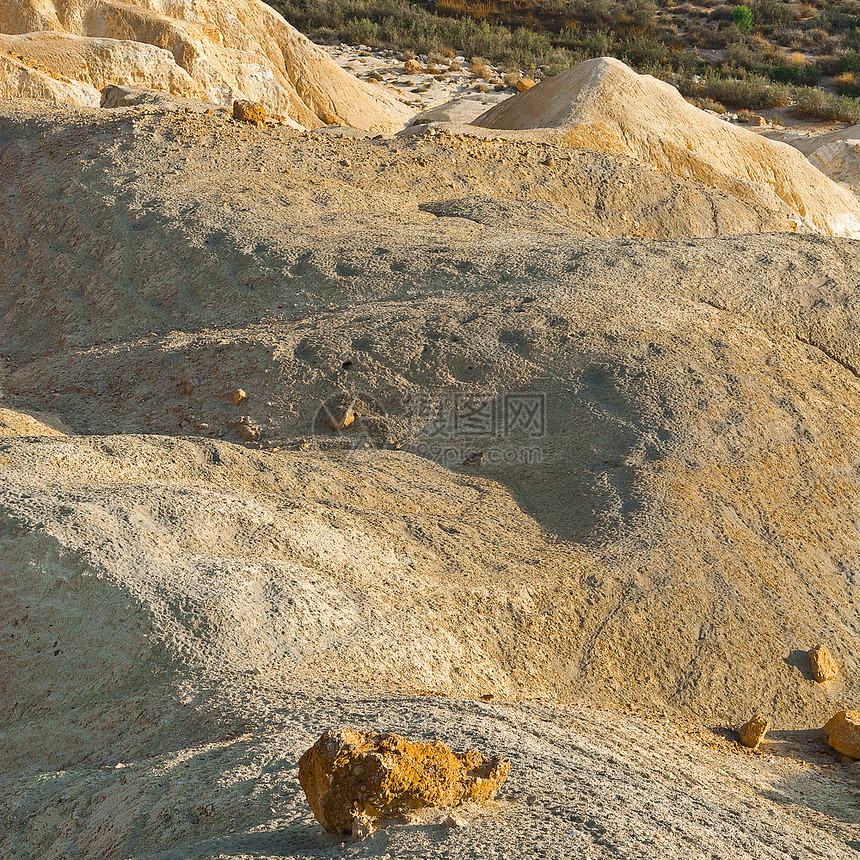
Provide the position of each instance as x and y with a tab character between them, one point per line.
471	433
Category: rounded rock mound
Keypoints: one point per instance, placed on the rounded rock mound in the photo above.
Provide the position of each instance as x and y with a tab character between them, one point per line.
602	104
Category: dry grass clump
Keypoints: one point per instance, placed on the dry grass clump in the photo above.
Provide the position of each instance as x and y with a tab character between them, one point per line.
480	68
710	104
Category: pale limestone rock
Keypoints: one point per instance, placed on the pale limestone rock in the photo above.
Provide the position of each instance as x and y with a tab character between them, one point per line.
752	732
604	105
836	154
356	780
822	665
217	50
842	732
98	63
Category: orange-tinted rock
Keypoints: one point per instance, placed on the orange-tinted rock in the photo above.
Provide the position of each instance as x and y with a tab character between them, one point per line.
842	732
752	732
246	110
822	665
356	780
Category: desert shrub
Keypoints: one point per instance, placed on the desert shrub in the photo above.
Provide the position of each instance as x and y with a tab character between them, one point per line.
848	83
480	68
721	13
823	105
598	44
364	32
742	16
753	91
774	13
597	13
643	51
849	62
741	55
710	104
799	74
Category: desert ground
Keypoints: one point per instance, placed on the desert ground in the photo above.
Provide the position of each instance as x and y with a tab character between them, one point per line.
597	496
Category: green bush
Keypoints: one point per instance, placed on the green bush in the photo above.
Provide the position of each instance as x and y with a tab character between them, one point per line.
743	18
801	74
752	92
849	62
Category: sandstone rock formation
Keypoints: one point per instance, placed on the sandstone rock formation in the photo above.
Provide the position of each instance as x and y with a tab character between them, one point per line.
356	780
752	732
842	732
218	50
822	665
602	104
836	154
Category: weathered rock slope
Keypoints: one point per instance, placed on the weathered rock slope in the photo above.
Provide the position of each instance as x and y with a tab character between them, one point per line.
673	537
836	154
603	104
219	50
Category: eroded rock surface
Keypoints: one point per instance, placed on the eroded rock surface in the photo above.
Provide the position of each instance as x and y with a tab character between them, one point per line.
752	732
605	105
355	780
822	665
217	50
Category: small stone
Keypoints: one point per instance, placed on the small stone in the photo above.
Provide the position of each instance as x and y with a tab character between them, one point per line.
246	110
239	396
340	419
250	432
524	84
822	666
842	732
454	820
361	827
752	732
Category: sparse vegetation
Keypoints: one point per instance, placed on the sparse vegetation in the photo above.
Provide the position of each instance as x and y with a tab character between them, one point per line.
766	53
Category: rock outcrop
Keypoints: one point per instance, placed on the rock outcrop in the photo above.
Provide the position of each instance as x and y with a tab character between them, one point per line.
822	665
836	154
604	105
842	732
215	50
354	780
